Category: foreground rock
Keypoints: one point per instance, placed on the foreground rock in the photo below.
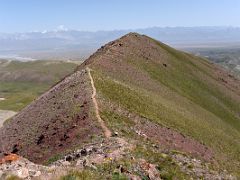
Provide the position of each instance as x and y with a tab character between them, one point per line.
105	151
22	168
88	156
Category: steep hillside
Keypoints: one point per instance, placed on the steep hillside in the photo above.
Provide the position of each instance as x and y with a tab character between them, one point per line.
57	121
154	83
156	98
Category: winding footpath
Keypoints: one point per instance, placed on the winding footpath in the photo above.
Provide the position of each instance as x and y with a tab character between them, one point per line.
106	131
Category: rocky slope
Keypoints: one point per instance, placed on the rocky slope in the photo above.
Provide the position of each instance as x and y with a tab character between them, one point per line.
57	121
179	113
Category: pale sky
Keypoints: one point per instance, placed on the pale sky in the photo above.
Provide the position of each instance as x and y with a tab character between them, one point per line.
40	15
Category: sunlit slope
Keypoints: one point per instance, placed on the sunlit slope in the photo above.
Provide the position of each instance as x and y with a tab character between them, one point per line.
173	89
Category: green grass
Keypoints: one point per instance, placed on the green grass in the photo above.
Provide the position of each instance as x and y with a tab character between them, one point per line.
36	71
22	82
186	81
80	175
168	169
218	130
166	166
106	170
110	169
54	159
118	123
19	94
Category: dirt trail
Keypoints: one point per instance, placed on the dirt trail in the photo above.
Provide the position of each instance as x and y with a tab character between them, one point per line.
107	132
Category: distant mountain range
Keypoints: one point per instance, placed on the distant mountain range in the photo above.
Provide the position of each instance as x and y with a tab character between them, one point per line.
85	42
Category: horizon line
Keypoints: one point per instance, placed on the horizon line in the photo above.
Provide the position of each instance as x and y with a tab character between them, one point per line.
123	29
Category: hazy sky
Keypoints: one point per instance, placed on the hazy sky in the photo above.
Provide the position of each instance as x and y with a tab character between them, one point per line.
40	15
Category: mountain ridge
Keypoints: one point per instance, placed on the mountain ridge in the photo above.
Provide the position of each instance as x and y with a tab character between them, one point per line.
144	89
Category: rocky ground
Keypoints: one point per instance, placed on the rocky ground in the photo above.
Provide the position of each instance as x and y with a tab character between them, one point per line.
107	151
88	156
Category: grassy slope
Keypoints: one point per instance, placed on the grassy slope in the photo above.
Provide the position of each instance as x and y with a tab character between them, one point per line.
22	82
194	103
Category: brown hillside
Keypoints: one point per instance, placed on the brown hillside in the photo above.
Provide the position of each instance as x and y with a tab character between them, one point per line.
59	120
